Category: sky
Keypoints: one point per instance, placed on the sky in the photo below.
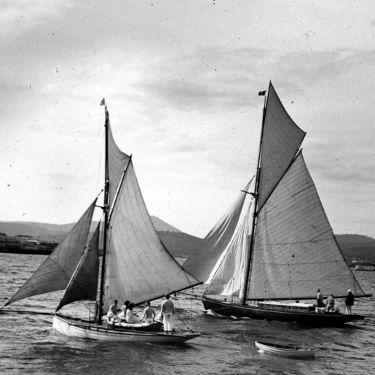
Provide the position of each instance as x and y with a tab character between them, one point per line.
181	81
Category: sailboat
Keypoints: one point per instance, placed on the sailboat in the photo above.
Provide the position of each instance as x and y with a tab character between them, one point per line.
135	264
275	247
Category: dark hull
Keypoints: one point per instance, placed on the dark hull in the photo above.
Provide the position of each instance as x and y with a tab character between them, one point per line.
254	312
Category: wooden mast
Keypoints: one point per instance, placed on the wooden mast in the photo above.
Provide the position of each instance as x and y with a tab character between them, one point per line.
256	195
105	209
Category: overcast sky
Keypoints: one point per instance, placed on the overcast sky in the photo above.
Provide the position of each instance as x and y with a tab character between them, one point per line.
181	80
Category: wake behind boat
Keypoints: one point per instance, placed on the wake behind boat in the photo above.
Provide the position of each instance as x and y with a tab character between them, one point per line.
135	266
275	246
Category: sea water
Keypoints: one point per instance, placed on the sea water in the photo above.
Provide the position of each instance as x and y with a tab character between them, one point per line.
28	344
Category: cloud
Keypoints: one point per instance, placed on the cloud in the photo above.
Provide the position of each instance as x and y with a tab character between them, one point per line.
209	80
18	17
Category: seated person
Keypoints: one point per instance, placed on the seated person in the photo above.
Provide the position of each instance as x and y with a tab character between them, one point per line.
330	305
131	318
148	313
112	311
124	308
110	317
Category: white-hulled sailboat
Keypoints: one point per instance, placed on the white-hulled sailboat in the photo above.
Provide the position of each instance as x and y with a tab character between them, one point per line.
275	246
135	265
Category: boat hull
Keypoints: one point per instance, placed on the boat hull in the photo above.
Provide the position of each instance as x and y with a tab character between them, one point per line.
306	318
85	330
284	350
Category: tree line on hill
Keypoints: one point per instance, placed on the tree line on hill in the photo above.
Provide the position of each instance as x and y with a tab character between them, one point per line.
27	236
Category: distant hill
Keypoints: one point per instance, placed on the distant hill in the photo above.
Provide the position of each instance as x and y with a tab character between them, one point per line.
41	231
55	232
180	244
355	246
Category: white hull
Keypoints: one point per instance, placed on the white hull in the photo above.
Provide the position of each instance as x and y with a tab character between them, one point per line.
284	350
73	328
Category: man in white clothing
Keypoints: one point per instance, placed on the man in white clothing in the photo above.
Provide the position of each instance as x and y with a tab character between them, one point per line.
167	310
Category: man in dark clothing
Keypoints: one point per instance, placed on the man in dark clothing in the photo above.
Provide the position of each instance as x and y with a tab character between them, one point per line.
319	299
349	302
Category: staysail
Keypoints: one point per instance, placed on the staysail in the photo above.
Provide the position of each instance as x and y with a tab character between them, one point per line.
202	261
281	139
295	250
55	272
138	266
229	276
84	282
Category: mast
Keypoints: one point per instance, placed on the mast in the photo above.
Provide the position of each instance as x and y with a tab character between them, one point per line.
256	195
105	209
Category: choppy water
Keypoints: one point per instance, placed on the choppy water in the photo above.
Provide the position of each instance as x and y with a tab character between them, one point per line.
28	345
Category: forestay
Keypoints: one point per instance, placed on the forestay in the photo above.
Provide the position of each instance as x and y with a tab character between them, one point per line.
55	272
295	251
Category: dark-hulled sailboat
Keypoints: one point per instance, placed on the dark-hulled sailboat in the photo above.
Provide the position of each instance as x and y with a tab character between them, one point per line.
275	245
135	266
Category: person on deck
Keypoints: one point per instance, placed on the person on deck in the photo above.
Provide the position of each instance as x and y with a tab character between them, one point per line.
167	310
112	311
148	313
349	302
131	318
330	305
319	299
124	308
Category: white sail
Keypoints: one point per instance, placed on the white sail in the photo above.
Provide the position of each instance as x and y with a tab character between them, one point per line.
138	266
281	139
295	251
84	281
55	272
229	275
117	161
202	261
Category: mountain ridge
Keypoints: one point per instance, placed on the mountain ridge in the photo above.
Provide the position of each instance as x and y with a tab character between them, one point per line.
355	247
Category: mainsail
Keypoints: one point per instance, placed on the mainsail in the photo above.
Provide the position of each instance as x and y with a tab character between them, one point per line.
202	261
55	272
138	266
84	281
295	250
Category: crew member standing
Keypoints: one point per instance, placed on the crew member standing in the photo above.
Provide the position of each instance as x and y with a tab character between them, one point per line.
349	302
167	310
